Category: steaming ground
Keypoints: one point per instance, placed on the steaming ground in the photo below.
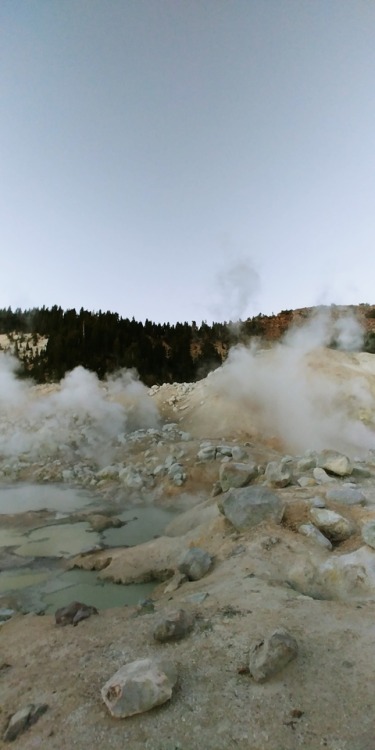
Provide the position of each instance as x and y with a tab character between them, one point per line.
298	395
131	444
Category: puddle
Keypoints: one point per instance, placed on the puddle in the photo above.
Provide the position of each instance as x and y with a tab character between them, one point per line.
25	497
142	525
43	585
62	540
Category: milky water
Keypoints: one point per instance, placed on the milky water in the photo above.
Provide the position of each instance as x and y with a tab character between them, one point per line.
43	584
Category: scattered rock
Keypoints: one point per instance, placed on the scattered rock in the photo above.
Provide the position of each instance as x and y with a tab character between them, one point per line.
237	474
173	626
207	453
306	481
335	462
6	613
175	583
278	474
332	524
346	496
271	655
74	613
23	719
368	533
138	687
195	563
249	506
309	530
321	476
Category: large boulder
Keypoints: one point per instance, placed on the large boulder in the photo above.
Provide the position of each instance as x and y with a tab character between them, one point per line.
139	686
249	506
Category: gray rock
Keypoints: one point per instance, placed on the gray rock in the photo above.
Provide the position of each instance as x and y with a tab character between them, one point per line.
361	472
237	474
74	613
195	563
173	626
335	462
306	481
278	474
309	530
270	656
23	719
346	496
239	453
249	506
175	583
317	502
224	450
368	533
321	476
138	687
306	463
207	453
332	524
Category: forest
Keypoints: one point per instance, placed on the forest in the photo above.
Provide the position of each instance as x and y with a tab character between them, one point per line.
104	342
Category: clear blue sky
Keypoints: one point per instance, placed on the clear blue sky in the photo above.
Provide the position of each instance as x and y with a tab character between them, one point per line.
187	159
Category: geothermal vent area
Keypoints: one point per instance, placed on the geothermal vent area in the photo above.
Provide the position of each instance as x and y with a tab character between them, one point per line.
208	549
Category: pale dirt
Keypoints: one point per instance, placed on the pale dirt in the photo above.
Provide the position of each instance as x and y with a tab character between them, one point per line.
324	699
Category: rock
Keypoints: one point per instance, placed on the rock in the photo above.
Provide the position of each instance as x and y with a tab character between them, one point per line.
195	563
173	626
237	474
138	687
207	453
368	533
361	472
332	524
306	463
271	655
100	522
335	462
175	583
317	502
306	481
224	450
23	719
321	476
278	474
239	453
346	496
6	614
249	506
145	606
309	530
74	613
345	578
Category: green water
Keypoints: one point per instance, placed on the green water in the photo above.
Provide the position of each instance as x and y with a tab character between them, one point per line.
45	585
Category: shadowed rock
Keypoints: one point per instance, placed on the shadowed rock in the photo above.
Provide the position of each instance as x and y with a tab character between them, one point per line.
74	613
271	655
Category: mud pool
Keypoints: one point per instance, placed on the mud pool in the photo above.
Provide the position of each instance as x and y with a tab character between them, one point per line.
38	533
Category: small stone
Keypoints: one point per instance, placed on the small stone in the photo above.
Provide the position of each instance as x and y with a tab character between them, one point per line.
195	563
173	626
332	524
278	474
175	583
306	481
23	719
271	655
207	453
346	496
309	530
368	533
145	606
321	476
138	687
335	462
74	613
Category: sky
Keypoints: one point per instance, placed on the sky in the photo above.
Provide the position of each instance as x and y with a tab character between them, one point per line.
183	160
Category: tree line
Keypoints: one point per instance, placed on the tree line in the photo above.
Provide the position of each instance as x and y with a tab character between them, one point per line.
104	342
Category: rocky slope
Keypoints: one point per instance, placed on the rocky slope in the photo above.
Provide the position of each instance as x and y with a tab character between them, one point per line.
270	464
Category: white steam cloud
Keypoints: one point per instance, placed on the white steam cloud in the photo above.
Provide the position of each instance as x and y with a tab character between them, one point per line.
305	395
81	418
236	286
